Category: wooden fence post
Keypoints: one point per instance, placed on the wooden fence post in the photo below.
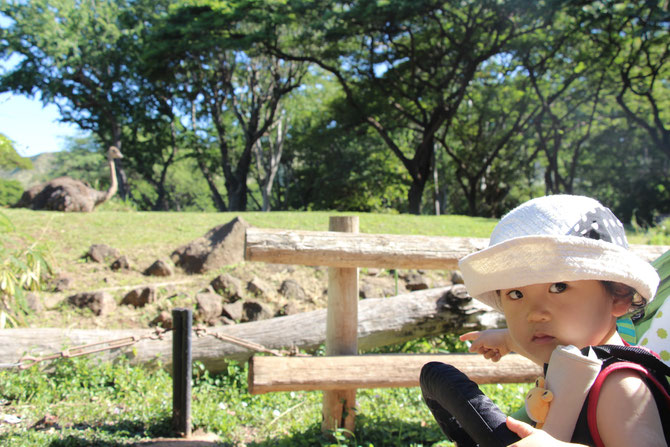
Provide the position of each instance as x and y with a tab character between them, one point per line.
341	331
181	371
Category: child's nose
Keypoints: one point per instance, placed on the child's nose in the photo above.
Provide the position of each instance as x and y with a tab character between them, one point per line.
538	311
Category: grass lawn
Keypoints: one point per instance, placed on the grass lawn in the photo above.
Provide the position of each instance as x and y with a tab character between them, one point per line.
81	403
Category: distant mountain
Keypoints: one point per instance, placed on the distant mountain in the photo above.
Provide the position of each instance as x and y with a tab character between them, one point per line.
43	166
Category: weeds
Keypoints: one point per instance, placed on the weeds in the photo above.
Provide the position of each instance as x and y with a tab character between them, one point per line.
23	267
78	402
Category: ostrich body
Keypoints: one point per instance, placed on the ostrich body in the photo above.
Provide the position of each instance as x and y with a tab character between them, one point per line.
70	195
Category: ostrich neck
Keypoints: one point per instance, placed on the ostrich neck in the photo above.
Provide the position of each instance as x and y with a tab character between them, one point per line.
113	186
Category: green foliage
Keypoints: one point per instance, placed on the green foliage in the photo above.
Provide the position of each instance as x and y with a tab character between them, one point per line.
511	99
115	403
9	159
83	160
23	267
10	192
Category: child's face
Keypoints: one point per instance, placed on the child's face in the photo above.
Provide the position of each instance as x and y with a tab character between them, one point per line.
543	316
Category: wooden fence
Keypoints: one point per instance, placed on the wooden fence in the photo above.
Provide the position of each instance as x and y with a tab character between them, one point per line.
343	249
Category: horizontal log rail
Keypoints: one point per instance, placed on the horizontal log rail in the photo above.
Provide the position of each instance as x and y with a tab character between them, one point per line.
271	374
344	250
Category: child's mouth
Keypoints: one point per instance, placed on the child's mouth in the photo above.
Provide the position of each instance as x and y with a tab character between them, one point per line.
542	339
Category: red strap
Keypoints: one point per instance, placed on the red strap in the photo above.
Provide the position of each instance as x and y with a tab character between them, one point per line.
595	394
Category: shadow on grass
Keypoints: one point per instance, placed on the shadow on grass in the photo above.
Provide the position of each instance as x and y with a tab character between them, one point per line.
369	432
121	433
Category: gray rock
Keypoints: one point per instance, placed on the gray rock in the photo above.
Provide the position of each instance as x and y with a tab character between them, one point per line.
292	290
222	245
208	306
228	286
366	291
121	263
415	282
34	302
100	303
101	252
234	311
254	310
259	288
289	309
60	283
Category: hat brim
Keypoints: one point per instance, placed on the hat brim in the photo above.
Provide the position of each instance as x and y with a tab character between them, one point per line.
527	260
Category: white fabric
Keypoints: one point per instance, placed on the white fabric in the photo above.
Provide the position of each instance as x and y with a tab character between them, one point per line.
545	240
569	377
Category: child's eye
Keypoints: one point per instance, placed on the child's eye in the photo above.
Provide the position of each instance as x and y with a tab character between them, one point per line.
558	287
515	294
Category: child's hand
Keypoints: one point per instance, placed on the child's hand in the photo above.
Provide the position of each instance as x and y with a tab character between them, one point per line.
533	437
491	343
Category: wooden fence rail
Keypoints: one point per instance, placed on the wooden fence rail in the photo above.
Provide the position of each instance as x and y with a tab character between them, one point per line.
338	374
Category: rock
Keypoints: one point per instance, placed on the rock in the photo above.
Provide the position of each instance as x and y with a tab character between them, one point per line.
457	277
373	272
228	286
234	311
222	245
101	252
60	283
121	263
208	306
140	297
259	288
159	268
100	303
34	302
289	309
292	290
415	282
164	320
254	310
365	291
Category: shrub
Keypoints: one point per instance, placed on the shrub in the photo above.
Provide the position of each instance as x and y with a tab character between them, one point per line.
10	192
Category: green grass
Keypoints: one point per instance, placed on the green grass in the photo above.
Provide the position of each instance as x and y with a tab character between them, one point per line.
117	404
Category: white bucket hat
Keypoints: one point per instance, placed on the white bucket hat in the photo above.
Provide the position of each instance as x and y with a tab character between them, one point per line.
552	239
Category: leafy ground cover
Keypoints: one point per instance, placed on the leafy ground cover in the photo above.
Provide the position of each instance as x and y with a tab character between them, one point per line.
79	402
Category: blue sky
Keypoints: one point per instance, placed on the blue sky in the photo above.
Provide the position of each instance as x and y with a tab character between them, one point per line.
33	128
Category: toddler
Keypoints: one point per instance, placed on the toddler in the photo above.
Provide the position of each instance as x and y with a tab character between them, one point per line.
559	269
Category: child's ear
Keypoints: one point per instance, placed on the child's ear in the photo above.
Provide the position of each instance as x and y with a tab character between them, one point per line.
620	306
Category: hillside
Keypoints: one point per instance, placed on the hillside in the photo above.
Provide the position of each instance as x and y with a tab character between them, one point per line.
43	165
144	237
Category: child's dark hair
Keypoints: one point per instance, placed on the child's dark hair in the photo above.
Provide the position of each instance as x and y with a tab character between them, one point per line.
622	291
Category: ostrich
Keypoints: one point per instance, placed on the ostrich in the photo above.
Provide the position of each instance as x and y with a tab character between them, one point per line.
70	195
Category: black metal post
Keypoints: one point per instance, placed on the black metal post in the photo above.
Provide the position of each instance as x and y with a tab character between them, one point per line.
182	320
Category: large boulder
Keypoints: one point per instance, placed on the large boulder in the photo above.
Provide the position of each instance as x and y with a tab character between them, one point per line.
222	245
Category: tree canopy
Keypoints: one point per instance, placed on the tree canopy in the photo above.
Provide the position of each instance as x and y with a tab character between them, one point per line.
415	106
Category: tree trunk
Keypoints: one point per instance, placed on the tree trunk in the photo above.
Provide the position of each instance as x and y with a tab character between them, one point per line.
382	321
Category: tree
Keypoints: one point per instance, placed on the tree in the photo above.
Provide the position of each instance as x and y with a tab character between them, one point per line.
80	55
633	41
404	66
9	158
485	142
230	88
